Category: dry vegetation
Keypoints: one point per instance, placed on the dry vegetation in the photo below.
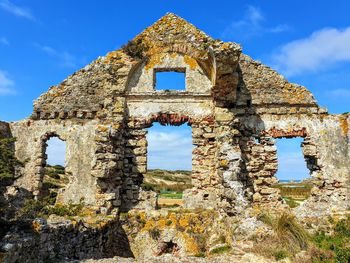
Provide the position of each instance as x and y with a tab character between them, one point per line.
290	238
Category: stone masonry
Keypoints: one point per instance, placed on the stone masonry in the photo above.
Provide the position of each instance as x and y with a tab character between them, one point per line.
235	106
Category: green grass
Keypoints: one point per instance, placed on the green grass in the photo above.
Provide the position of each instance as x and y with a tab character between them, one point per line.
171	195
338	242
291	202
221	249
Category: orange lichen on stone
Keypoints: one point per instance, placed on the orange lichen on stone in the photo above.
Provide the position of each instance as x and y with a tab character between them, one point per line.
115	56
191	244
224	163
344	125
36	226
183	222
102	128
56	91
154	60
173	55
191	62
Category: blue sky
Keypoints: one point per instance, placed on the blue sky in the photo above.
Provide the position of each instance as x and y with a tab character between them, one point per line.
42	42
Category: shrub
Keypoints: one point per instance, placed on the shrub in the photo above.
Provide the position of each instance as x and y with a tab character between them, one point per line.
280	254
43	208
8	161
338	243
135	49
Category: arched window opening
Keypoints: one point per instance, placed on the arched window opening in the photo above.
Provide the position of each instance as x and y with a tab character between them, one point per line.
169	163
55	177
293	175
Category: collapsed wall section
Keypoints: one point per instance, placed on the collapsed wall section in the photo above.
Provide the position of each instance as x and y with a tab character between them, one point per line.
30	146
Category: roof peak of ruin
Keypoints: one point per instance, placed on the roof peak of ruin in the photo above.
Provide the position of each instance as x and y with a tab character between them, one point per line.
171	23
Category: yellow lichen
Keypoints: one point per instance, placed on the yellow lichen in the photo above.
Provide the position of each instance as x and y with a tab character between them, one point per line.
113	56
344	125
102	128
154	60
183	222
36	226
191	62
191	244
224	163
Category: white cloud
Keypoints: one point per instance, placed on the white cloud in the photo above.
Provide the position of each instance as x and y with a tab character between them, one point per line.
251	25
65	58
4	41
16	10
170	150
322	49
6	84
56	151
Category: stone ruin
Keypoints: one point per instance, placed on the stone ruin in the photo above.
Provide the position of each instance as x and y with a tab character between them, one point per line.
234	105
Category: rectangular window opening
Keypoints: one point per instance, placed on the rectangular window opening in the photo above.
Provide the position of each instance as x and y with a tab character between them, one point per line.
294	177
170	80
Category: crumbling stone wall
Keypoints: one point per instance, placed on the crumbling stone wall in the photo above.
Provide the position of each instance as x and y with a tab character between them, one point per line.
235	106
31	137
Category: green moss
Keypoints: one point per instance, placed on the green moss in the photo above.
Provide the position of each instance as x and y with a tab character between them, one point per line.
154	233
221	250
200	255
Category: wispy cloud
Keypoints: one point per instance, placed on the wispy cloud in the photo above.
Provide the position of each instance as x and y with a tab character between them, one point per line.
18	11
322	49
6	84
4	41
338	93
170	148
252	24
65	59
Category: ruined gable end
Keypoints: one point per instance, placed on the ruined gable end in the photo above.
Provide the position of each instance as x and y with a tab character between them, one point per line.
236	107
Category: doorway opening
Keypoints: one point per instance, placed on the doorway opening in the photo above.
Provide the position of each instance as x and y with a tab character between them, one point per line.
169	163
293	175
55	177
